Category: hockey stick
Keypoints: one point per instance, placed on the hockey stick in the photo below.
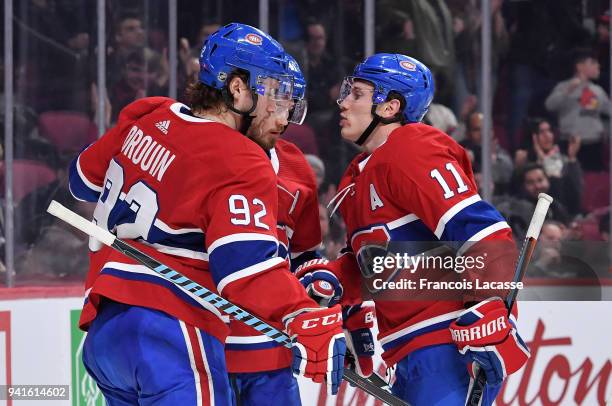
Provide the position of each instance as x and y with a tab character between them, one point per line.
203	293
531	239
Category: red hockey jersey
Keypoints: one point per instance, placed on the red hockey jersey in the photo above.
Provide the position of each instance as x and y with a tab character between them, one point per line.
417	186
199	197
299	233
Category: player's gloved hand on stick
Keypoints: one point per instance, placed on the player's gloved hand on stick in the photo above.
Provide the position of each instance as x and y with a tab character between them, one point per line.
487	337
320	282
318	345
358	322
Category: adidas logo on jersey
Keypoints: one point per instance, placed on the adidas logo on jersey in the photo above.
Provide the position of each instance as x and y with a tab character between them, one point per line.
163	126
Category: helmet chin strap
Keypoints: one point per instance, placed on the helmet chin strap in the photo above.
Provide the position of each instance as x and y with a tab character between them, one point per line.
247	118
375	121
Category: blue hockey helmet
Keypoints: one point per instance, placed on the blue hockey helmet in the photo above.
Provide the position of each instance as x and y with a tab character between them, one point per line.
398	73
249	49
300	105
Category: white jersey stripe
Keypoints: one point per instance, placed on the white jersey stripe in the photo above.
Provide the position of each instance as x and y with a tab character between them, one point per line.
247	339
84	178
274	160
402	221
420	325
500	225
249	271
240	237
450	213
167	229
179	252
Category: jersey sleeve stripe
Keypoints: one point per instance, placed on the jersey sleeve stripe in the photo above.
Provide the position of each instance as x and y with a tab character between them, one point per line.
470	221
179	252
240	237
252	347
415	329
247	339
450	213
234	257
76	195
485	232
249	271
167	229
402	221
86	181
80	187
141	272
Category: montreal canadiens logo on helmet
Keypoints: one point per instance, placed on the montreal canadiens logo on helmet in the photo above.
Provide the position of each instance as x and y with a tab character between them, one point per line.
253	39
408	65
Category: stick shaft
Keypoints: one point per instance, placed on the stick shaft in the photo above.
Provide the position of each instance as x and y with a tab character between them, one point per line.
205	294
531	239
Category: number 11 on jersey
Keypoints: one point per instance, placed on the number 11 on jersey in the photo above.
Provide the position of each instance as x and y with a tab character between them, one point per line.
448	193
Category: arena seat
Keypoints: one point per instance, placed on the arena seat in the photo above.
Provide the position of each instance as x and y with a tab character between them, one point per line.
28	176
596	190
68	131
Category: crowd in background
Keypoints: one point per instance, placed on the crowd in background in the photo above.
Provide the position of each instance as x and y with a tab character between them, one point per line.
550	74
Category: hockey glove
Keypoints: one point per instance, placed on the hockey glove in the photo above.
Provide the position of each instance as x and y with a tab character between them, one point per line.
359	341
486	336
320	282
318	345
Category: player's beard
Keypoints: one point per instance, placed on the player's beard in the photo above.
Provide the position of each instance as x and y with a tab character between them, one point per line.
266	141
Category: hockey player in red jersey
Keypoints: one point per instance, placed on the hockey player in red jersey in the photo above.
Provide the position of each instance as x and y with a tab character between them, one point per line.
413	183
259	367
184	185
260	372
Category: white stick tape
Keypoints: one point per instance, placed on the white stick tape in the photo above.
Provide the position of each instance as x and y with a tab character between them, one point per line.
79	222
539	215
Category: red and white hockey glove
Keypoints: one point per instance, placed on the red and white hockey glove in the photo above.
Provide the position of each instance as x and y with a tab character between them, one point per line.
318	345
358	322
320	282
486	336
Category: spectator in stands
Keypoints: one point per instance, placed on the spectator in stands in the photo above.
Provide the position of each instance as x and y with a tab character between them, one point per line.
59	251
541	33
467	24
563	171
205	30
422	29
501	162
580	104
318	168
323	74
129	38
51	56
535	181
189	55
142	75
442	118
